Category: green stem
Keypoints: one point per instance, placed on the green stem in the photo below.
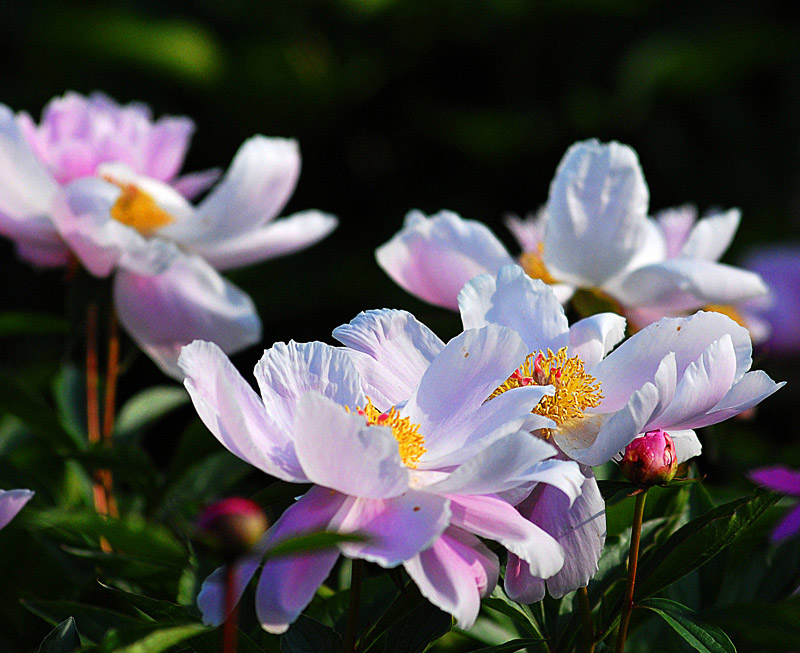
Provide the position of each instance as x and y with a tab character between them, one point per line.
627	605
587	628
356	572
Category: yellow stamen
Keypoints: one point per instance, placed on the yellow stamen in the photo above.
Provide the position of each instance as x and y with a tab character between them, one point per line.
575	389
533	264
409	440
730	311
137	209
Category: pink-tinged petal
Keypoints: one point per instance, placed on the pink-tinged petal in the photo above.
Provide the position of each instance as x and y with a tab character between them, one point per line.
26	188
454	573
81	213
687	284
337	450
593	337
703	385
507	463
751	390
636	360
278	238
233	412
286	372
432	258
528	232
492	518
212	600
259	182
712	236
450	404
190	301
396	528
512	299
579	528
43	254
166	147
597	213
397	350
675	225
194	184
288	583
788	526
11	502
777	478
653	249
687	444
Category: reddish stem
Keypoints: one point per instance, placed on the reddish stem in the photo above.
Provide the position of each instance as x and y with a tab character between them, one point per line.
109	410
230	629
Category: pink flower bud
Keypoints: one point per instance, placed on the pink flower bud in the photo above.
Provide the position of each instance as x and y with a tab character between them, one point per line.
650	459
232	527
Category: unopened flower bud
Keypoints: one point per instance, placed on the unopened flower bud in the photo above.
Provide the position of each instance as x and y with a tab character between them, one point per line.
650	459
232	527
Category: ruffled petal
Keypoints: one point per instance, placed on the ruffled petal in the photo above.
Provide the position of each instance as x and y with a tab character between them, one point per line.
190	301
711	236
432	258
490	517
454	573
337	450
396	528
194	184
528	232
259	182
593	337
212	600
675	225
397	350
512	299
579	528
288	583
11	502
687	445
751	390
166	146
597	213
278	238
287	372
233	412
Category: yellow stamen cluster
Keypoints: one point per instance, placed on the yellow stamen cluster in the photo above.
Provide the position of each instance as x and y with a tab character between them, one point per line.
533	264
137	209
575	389
410	441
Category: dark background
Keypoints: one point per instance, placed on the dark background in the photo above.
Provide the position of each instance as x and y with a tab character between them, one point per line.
401	104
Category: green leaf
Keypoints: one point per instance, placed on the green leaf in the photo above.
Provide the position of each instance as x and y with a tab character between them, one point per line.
702	636
64	638
697	542
146	408
148	640
311	542
92	621
509	647
405	603
615	491
20	323
520	614
424	624
767	625
307	635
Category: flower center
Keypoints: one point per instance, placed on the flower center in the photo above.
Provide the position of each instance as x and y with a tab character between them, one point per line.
409	440
575	389
533	264
139	210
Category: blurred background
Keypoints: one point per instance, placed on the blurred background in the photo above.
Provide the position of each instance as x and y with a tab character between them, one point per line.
401	104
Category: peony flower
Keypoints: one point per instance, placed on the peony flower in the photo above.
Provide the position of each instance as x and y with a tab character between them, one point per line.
675	375
97	180
11	502
418	477
593	235
786	481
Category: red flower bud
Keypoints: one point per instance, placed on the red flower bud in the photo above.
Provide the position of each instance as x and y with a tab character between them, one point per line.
232	527
650	459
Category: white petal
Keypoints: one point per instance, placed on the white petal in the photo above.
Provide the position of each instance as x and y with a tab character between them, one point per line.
712	236
278	238
593	337
233	412
397	350
751	390
530	231
190	301
512	299
432	258
675	225
687	445
597	213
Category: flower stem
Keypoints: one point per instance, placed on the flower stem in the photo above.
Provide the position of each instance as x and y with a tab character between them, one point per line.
109	410
93	410
627	605
356	572
587	628
230	629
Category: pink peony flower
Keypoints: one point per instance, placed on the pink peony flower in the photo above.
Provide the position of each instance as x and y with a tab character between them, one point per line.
398	436
98	180
650	459
786	481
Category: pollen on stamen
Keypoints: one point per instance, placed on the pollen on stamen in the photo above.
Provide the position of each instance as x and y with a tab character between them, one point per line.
533	264
575	389
410	441
136	208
